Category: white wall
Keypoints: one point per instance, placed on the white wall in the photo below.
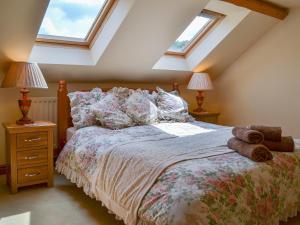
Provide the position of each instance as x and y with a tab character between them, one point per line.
263	85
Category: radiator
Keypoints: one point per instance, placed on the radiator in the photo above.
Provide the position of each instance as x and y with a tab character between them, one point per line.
44	108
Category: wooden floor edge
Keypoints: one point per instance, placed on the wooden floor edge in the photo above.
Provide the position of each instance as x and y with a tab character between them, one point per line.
261	6
3	169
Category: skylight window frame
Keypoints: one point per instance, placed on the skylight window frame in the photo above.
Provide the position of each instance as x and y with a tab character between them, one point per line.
216	18
88	41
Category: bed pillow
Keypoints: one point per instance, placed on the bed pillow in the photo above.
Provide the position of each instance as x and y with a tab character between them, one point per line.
140	108
81	102
108	112
151	96
80	98
121	94
171	107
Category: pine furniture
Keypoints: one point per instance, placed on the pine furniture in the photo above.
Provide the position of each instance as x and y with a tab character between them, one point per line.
209	117
29	151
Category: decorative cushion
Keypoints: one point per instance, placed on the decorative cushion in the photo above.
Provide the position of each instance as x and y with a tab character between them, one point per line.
151	96
172	107
122	94
140	108
108	112
81	103
79	98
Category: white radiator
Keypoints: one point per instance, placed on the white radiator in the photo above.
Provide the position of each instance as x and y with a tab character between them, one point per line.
44	108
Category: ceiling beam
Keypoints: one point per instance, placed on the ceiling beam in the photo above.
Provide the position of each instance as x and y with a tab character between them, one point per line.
263	7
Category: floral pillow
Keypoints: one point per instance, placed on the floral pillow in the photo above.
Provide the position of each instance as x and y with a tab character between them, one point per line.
140	108
151	96
121	94
172	107
81	103
79	98
109	113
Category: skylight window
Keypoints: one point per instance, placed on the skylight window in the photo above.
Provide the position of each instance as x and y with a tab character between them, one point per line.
73	21
201	24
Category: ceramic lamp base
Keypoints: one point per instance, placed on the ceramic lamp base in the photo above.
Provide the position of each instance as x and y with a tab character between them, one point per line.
200	100
24	105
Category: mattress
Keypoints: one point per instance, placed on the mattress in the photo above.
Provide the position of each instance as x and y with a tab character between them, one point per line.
70	132
221	189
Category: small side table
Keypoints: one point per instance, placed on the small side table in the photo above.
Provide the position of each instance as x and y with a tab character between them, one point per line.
29	154
208	117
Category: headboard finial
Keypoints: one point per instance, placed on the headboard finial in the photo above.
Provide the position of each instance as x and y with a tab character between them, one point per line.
62	113
176	87
62	85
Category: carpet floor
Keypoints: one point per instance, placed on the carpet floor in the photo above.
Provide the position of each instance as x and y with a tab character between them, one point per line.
64	204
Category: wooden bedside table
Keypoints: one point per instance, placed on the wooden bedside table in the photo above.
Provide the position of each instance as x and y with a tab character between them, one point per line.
209	117
29	151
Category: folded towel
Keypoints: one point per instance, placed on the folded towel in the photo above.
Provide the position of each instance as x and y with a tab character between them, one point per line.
285	145
248	135
256	152
270	133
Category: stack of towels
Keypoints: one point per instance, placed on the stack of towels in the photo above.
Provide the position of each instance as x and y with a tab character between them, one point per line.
256	142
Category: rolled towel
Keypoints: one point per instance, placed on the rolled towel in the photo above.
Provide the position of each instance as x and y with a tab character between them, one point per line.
255	152
248	135
285	145
270	133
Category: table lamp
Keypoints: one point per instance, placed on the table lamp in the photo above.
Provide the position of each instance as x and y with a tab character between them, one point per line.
200	82
24	75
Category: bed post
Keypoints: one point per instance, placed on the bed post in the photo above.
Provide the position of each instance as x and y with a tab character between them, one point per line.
176	87
62	114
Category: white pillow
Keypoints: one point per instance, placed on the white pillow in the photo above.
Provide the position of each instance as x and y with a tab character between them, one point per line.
108	112
172	107
140	108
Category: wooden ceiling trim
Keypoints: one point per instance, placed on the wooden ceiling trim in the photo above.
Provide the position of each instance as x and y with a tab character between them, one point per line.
263	7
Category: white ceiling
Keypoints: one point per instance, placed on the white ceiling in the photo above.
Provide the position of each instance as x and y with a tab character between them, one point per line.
146	32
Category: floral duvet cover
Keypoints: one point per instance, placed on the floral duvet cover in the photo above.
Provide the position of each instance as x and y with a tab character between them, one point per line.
222	190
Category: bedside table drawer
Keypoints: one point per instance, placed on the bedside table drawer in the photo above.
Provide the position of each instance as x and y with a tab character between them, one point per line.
33	174
32	139
27	158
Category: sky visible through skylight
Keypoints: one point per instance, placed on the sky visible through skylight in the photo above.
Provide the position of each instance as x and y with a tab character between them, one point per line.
189	33
70	18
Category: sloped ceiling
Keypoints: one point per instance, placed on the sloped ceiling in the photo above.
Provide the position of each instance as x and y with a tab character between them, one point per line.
19	24
147	31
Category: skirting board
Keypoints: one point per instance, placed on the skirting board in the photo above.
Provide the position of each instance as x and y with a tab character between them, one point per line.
3	169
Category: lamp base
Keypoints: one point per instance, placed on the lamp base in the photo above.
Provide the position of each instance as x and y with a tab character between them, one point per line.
24	105
198	110
24	121
200	100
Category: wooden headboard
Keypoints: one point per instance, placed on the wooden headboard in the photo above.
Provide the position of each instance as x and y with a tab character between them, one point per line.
64	120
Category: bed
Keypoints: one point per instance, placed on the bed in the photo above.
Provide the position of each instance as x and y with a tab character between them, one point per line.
135	175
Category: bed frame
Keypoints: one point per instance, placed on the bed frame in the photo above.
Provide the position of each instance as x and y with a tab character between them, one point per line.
64	120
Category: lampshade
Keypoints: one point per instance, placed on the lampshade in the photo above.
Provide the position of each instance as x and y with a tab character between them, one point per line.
200	81
24	75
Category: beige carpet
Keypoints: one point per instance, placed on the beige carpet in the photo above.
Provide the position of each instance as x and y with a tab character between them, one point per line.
62	205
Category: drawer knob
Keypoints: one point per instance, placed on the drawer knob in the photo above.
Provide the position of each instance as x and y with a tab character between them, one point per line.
32	174
31	157
32	139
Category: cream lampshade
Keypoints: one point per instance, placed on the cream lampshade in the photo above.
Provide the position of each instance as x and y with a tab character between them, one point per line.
200	82
24	75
